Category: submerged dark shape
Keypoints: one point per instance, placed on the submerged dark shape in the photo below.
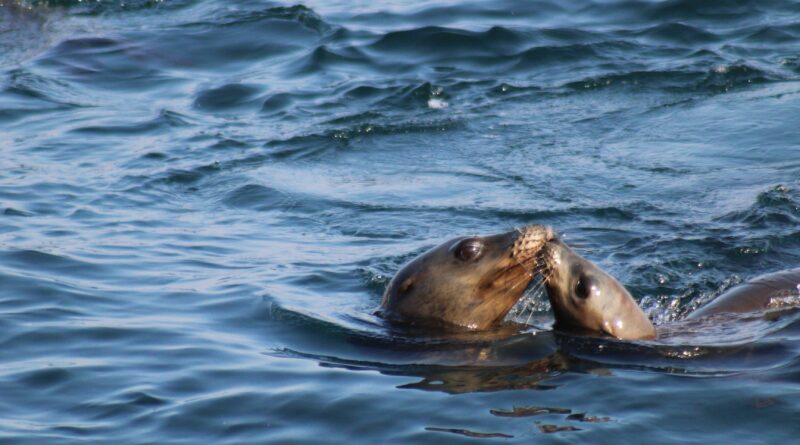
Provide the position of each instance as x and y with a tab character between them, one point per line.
471	282
493	377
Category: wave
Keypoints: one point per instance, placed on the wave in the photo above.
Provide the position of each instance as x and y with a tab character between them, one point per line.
229	97
715	79
434	42
314	144
323	58
99	7
677	33
166	120
778	206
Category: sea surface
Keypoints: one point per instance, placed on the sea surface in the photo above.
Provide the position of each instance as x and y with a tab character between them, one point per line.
202	202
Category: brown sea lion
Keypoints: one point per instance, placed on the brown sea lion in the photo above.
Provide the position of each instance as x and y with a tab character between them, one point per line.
471	282
769	291
587	299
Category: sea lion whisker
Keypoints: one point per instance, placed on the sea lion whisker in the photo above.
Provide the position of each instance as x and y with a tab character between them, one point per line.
527	301
525	306
530	314
584	249
529	294
529	307
537	288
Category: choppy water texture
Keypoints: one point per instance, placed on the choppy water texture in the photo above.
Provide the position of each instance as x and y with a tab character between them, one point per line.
202	202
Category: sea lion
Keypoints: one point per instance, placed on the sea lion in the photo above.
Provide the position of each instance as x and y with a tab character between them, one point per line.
769	291
587	299
471	282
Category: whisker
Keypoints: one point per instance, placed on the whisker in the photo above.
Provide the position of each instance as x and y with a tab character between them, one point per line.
539	284
578	243
527	320
525	307
536	289
526	296
585	249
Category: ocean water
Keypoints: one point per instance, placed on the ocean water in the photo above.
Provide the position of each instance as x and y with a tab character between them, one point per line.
201	203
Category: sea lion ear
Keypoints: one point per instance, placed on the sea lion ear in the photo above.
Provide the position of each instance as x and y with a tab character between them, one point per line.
407	284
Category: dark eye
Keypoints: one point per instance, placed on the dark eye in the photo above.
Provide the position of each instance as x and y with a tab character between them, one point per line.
583	287
469	249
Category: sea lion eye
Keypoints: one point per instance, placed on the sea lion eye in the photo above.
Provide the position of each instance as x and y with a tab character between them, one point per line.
469	249
583	287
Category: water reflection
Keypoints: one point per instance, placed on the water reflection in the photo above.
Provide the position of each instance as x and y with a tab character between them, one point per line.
513	357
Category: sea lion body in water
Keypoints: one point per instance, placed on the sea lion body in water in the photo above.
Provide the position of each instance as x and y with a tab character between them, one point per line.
471	282
587	299
769	291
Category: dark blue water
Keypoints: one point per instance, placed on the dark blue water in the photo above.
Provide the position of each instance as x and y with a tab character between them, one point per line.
202	202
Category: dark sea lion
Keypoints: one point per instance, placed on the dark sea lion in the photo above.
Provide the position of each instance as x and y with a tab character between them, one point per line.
769	291
587	299
471	282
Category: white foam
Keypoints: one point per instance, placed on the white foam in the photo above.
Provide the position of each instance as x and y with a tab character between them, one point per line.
437	103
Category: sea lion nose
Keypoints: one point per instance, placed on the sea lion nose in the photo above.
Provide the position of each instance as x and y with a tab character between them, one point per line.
530	241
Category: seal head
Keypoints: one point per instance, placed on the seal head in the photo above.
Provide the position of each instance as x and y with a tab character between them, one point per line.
587	299
470	282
